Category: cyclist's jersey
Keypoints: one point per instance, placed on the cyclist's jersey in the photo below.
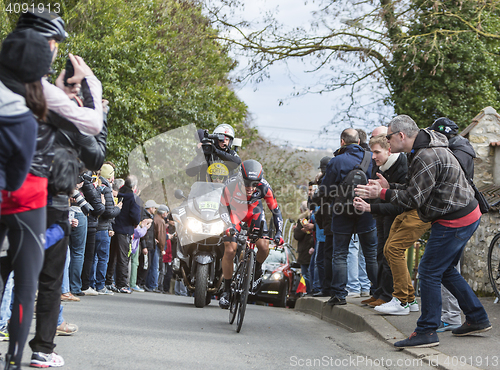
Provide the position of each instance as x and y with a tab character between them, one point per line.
237	207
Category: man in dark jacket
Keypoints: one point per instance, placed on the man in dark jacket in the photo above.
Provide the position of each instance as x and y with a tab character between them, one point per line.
125	222
440	192
344	225
93	280
393	167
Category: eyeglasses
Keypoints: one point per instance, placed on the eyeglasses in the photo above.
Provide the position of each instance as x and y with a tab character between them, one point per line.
388	137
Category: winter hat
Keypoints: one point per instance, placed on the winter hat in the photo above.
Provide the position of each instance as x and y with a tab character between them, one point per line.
26	54
151	203
445	126
163	208
323	163
107	171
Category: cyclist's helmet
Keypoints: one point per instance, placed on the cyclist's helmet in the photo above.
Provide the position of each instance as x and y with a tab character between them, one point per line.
252	172
226	130
48	24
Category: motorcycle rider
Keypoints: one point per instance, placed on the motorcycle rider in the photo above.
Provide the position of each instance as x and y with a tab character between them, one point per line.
241	202
213	150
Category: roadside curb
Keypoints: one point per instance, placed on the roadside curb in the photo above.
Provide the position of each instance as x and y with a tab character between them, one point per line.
355	318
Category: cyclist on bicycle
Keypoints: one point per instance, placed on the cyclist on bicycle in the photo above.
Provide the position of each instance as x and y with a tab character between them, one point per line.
241	202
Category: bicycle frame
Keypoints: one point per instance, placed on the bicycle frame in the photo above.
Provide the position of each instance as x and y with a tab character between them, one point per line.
243	278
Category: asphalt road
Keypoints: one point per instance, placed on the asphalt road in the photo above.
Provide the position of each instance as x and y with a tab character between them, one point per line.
157	331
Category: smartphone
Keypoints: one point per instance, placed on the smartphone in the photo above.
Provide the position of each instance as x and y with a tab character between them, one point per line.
70	72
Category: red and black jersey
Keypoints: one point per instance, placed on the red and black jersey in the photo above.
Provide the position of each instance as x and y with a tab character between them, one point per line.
239	207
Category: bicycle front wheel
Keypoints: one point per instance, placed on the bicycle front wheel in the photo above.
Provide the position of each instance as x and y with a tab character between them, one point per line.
494	264
236	289
247	280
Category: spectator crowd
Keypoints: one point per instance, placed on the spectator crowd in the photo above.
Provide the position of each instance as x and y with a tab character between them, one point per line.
70	229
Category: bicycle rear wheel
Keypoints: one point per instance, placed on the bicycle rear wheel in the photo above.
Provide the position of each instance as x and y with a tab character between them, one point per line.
247	280
236	288
494	264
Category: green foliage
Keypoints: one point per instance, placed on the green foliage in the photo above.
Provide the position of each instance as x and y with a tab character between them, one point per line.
159	65
439	69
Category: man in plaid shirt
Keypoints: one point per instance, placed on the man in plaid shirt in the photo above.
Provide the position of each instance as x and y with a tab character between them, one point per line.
440	192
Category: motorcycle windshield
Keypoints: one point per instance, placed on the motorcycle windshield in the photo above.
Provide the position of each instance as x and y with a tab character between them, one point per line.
168	168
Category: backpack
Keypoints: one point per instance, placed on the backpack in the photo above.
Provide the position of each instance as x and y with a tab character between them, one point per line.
342	204
483	203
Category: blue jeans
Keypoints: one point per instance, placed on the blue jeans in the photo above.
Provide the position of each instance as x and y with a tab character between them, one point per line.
357	278
305	273
341	244
65	281
102	241
318	266
77	241
7	299
152	276
442	253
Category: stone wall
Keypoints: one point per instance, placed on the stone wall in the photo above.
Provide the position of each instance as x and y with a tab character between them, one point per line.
484	135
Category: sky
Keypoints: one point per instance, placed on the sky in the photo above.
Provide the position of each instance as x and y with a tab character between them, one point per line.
298	121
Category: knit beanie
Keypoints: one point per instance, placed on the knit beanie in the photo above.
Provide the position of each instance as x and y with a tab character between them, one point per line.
26	54
107	171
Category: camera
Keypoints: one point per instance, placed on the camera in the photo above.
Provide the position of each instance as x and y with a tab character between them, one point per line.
81	202
70	72
209	141
84	176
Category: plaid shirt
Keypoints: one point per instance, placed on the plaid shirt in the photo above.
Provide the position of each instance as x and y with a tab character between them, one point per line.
436	184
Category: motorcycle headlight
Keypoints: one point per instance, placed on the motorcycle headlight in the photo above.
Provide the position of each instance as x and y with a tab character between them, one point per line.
195	226
277	276
198	227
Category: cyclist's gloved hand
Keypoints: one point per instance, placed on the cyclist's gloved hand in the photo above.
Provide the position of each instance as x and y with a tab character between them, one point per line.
230	231
278	239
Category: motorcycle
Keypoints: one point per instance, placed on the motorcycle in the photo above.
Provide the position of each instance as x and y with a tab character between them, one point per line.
200	230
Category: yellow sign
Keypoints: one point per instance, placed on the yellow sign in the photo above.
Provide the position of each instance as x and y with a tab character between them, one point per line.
218	169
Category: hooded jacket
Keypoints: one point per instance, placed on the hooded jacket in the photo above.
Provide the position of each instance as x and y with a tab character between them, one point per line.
437	186
14	116
130	215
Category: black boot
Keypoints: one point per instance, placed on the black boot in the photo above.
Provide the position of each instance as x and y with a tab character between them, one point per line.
9	365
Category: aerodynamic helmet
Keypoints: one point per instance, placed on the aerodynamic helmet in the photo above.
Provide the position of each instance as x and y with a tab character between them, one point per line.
252	172
226	130
48	24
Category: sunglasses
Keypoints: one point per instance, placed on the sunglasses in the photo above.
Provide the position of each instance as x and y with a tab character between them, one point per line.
388	137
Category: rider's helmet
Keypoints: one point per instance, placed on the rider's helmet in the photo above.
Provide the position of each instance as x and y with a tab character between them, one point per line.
226	130
48	24
252	172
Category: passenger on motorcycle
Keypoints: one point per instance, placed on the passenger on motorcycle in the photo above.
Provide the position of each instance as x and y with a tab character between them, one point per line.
241	202
214	148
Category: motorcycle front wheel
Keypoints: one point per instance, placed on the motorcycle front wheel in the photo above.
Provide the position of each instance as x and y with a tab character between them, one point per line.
201	286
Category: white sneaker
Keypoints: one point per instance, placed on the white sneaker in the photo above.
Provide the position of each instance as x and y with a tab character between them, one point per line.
40	359
353	295
90	291
394	307
413	306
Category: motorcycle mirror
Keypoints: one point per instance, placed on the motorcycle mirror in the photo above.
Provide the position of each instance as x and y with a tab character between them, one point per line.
179	194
